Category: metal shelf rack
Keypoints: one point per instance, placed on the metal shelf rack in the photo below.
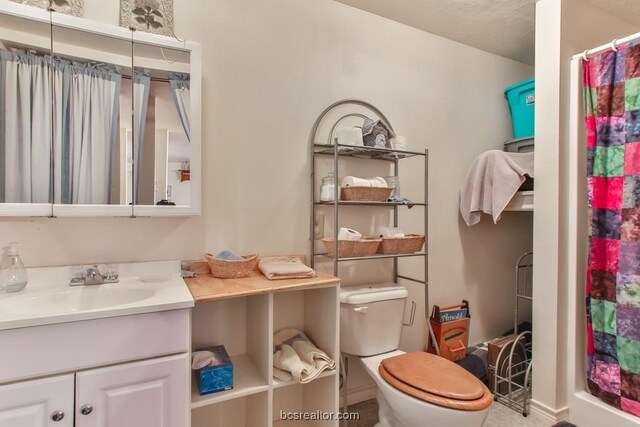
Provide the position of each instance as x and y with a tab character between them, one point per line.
512	375
332	148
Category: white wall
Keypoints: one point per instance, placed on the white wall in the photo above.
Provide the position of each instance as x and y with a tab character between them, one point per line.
270	67
563	28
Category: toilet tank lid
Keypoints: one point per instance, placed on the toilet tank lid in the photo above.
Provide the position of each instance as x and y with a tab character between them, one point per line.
372	293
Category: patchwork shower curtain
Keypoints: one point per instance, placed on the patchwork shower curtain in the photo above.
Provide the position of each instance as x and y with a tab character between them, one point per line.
612	107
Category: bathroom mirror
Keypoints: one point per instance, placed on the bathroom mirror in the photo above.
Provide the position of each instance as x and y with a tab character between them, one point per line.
25	100
162	153
92	88
118	128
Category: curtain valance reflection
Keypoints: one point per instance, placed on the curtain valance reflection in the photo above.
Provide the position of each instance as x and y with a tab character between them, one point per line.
181	92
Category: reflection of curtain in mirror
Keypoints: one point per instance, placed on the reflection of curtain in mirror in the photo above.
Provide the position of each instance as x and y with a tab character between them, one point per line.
141	86
25	128
86	106
180	89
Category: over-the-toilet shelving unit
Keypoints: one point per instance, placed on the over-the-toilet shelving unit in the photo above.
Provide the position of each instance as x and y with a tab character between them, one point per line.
336	151
242	315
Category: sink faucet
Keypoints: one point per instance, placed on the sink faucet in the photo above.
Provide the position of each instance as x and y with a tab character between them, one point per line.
91	275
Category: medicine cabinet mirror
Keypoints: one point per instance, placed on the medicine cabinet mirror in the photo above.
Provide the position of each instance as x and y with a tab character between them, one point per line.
96	120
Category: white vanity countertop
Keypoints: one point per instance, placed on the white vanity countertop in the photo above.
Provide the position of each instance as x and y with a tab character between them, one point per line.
144	287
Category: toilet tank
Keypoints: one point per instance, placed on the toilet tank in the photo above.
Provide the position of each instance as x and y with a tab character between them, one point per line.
371	318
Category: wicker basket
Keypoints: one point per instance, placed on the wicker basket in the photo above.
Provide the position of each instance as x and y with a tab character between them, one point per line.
351	248
365	194
401	245
232	269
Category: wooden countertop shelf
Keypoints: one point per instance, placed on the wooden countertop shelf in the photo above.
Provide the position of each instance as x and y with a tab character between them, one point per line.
205	287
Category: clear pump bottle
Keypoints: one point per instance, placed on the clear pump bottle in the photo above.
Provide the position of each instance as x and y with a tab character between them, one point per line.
13	275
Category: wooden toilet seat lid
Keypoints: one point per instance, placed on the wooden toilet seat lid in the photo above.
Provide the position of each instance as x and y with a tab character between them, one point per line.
435	380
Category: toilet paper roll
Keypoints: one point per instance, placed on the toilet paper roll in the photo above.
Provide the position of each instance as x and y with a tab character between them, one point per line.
378	182
348	234
354	181
350	136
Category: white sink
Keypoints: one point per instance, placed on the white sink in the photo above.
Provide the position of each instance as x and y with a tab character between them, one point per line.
48	298
76	299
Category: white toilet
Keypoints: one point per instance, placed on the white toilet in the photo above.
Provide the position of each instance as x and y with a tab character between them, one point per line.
414	389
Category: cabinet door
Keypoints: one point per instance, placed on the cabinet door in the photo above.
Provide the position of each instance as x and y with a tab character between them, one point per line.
38	403
151	393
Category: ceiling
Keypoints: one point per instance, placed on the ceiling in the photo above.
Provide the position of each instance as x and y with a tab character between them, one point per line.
626	10
503	27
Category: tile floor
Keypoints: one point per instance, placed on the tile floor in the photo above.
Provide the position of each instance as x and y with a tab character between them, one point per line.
499	416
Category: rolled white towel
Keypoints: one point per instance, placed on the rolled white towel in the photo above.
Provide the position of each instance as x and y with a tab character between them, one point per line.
378	182
348	234
353	181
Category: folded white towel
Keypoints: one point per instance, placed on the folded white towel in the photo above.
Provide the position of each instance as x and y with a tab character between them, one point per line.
285	267
296	354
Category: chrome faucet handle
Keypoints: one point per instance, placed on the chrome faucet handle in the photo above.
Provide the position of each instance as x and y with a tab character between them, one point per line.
92	276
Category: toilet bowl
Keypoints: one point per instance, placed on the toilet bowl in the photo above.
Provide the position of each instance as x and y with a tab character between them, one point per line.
413	389
399	409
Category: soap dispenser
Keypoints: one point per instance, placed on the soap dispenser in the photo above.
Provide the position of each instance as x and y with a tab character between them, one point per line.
13	275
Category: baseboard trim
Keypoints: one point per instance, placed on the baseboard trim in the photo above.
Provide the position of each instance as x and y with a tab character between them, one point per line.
360	394
553	415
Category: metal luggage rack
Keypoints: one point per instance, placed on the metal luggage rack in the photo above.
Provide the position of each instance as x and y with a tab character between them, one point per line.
512	375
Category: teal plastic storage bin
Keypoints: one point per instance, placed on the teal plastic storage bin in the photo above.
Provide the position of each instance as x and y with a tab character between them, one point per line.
522	102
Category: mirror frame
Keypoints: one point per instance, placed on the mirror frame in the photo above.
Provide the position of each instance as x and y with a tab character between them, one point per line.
59	210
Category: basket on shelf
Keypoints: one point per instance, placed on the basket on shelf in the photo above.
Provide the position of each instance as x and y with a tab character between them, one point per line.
365	194
401	245
352	248
232	269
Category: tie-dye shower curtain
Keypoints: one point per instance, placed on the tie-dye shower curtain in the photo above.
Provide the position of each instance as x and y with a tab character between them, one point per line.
612	107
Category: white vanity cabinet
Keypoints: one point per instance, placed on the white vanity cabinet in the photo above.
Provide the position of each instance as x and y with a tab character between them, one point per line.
124	371
38	403
151	393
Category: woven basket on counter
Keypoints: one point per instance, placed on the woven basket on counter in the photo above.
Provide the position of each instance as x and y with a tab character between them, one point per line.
365	194
232	269
401	245
352	248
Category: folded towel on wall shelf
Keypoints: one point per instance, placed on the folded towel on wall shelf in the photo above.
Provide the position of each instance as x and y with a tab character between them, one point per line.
285	267
491	182
295	356
354	181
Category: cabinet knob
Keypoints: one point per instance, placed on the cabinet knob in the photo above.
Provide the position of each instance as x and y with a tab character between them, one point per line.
86	409
57	416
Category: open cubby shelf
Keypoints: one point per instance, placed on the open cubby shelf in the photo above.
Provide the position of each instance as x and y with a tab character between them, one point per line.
245	326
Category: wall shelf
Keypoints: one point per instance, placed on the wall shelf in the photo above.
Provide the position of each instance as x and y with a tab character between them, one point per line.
521	202
371	257
364	152
356	203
